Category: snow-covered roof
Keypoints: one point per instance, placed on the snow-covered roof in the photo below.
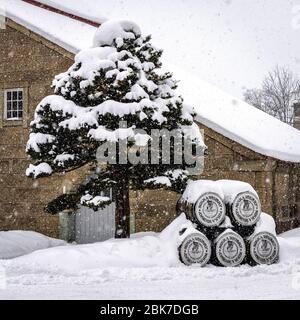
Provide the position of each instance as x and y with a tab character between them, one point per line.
216	109
68	33
237	120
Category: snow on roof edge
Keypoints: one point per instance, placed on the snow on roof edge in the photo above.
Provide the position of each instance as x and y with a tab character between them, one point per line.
65	7
263	151
237	120
39	31
76	36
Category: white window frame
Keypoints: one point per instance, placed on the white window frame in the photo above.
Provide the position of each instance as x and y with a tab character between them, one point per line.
5	103
107	193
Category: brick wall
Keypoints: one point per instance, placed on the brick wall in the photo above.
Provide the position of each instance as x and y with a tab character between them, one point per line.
286	206
28	63
153	209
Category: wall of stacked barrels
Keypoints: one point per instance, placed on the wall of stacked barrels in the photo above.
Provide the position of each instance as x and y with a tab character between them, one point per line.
230	228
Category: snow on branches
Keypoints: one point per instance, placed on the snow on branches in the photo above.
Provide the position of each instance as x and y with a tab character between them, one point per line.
118	80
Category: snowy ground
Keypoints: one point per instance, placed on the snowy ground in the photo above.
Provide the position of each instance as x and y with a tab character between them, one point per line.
145	267
18	243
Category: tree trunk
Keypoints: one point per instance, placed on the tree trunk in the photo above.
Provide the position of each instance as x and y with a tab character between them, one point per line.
122	209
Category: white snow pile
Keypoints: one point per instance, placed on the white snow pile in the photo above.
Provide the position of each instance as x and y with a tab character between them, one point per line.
18	243
227	190
159	180
166	181
144	250
196	188
147	266
265	223
38	170
115	30
90	200
294	233
231	188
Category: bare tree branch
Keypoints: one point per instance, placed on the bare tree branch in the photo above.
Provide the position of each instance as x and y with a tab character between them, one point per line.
279	88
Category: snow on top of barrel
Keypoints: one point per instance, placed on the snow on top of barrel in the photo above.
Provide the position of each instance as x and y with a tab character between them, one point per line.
226	189
114	30
231	188
195	189
265	223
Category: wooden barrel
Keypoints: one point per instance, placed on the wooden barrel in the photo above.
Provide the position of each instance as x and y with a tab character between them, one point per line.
262	248
195	249
229	249
208	210
245	209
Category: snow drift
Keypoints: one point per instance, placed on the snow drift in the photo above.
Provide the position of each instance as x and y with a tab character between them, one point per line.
143	250
18	243
147	266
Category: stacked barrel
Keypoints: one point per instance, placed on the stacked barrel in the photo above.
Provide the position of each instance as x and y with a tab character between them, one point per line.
230	228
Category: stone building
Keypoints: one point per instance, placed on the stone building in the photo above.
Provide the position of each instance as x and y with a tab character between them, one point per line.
39	42
296	107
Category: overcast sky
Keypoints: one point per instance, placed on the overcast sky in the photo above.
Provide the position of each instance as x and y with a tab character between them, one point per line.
230	43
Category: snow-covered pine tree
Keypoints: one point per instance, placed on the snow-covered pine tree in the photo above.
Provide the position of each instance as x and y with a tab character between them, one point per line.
118	79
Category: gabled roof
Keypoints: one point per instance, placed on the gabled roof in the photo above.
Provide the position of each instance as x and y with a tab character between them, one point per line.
216	109
70	34
237	120
60	9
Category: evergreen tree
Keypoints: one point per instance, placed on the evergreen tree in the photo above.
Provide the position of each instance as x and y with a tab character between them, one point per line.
118	80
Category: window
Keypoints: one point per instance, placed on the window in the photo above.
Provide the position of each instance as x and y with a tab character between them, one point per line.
107	193
14	104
